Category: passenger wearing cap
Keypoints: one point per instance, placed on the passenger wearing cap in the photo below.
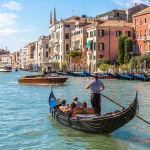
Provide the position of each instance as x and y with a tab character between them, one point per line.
96	87
78	104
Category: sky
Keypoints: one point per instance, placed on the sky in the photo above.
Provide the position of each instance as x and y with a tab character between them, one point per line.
24	21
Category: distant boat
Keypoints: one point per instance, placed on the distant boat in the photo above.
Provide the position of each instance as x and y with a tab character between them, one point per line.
124	76
4	68
43	80
139	77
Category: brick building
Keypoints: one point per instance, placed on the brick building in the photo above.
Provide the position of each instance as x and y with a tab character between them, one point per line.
102	41
141	24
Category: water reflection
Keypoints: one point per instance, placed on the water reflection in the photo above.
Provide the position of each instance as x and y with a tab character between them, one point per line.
74	138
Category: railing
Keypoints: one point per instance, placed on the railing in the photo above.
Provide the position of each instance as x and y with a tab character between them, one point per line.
148	38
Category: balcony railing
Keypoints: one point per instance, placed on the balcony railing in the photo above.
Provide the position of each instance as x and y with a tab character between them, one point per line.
148	38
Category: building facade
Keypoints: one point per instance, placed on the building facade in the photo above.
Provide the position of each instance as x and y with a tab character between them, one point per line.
102	41
117	14
141	24
133	10
23	58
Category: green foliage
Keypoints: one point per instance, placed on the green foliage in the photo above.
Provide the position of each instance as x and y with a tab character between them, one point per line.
104	67
121	48
73	53
128	49
102	61
137	61
63	63
124	67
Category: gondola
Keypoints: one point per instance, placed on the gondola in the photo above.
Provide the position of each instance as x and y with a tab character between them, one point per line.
124	76
90	123
139	77
76	74
114	76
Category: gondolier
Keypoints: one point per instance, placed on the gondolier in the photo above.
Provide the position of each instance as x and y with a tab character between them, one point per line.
96	87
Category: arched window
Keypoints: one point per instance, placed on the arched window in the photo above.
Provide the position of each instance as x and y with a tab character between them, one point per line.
145	20
145	32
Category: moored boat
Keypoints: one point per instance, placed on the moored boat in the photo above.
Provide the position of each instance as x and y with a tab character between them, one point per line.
139	77
76	74
4	68
42	80
91	123
124	76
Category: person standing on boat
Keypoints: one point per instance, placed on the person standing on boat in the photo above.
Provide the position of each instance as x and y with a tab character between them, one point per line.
96	87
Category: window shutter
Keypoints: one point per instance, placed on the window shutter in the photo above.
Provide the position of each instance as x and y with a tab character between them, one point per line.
117	33
102	32
129	33
103	46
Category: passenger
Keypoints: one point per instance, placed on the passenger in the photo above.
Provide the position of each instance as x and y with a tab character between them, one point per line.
83	105
70	108
63	102
78	104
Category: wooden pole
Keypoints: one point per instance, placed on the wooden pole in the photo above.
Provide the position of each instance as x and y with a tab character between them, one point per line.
122	106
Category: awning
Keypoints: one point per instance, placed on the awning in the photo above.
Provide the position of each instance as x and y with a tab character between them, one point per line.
88	44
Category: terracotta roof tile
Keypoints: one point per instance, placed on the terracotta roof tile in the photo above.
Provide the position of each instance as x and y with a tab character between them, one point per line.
116	23
142	12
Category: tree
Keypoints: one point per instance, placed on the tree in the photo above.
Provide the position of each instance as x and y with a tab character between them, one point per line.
124	67
104	67
121	49
102	61
128	49
73	53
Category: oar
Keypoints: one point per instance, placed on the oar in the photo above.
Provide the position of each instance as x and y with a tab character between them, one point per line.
122	106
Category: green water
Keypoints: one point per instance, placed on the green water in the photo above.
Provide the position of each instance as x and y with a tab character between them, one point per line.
25	122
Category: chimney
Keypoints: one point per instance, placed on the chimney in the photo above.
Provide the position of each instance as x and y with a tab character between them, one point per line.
135	4
54	15
51	18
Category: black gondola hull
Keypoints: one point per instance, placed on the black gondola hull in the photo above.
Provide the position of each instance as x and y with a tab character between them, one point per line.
97	125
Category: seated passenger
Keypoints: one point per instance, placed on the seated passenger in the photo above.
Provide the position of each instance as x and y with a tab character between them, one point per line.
78	104
83	105
70	108
63	102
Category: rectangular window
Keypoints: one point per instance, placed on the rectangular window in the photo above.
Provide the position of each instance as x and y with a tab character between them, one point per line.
118	33
94	57
67	47
94	46
94	32
101	46
46	54
118	14
128	33
91	46
101	56
101	32
141	21
67	25
91	34
46	46
67	36
136	22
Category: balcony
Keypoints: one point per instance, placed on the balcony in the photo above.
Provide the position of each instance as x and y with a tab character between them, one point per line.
148	38
144	38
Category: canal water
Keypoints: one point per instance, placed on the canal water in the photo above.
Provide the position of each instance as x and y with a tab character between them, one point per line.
25	122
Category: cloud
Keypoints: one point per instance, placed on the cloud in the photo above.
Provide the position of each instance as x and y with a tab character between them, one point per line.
130	3
13	6
7	24
7	19
9	30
